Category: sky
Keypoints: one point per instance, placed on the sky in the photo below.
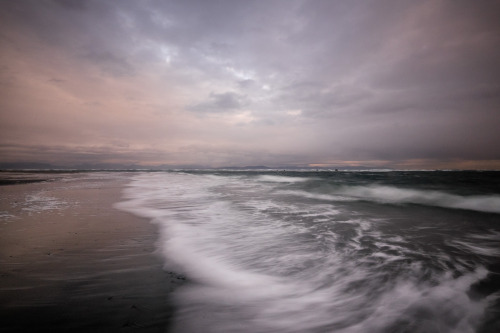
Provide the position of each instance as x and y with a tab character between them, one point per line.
384	84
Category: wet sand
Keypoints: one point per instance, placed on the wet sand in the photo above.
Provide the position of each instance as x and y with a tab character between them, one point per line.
70	262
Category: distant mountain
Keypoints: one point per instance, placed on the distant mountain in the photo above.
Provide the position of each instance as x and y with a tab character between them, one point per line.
117	166
26	165
91	166
248	167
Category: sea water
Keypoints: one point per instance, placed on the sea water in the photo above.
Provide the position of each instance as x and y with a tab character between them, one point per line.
283	251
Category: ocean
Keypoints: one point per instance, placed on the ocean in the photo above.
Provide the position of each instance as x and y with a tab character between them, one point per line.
305	251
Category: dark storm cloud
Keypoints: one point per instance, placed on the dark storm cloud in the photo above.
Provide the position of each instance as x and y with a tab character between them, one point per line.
333	80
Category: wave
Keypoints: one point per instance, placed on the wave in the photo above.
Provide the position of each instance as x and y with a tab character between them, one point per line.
261	259
282	179
481	249
317	196
482	244
394	195
483	203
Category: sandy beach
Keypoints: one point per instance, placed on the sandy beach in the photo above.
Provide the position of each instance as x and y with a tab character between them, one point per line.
70	262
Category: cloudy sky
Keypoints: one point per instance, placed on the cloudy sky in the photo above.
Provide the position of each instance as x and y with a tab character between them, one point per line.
403	84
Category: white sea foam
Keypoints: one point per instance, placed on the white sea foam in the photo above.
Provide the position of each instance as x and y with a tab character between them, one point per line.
6	215
282	179
39	202
444	307
484	249
318	196
261	260
394	195
387	194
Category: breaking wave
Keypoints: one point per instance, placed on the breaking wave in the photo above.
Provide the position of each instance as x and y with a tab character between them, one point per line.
269	253
394	195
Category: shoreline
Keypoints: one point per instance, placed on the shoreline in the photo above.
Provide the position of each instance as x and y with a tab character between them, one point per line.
70	261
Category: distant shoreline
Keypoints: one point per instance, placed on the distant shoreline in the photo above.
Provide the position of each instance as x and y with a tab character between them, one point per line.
234	169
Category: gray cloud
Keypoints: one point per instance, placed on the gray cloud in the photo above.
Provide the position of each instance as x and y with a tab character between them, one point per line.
110	63
223	102
344	80
71	4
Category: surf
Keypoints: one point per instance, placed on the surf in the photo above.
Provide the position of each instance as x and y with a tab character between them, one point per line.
300	254
395	195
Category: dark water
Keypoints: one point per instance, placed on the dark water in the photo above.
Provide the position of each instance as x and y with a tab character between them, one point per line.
328	251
